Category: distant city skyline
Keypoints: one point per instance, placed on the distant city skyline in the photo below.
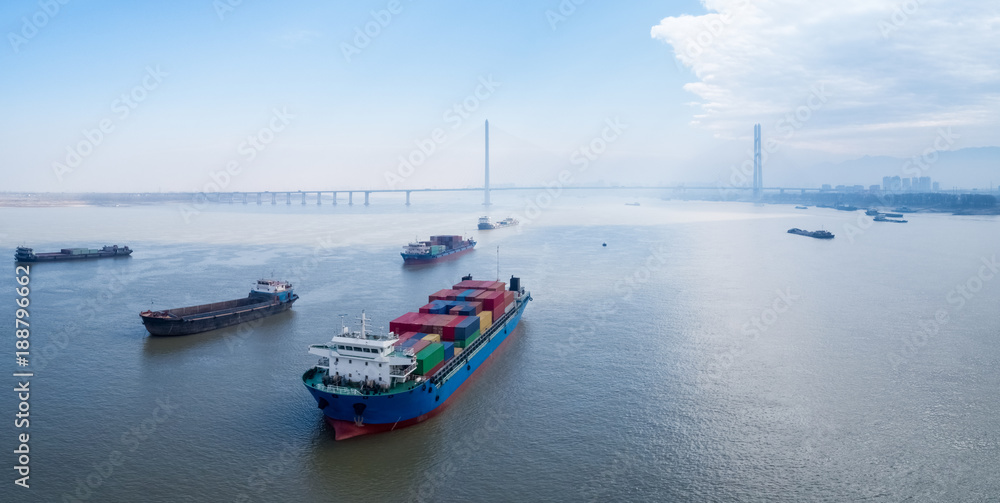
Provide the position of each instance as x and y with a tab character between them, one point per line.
194	94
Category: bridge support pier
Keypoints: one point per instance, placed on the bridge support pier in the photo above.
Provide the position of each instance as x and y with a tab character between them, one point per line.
274	198
244	198
334	198
288	198
366	197
303	199
232	197
258	199
803	192
781	192
319	198
350	199
407	198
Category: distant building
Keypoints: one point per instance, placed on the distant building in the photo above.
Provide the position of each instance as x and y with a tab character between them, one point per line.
874	189
825	186
924	184
887	183
906	185
937	186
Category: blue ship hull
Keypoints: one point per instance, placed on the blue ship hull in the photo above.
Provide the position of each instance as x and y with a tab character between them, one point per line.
385	412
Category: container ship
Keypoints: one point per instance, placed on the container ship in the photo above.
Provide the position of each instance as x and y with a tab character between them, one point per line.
267	297
485	223
439	247
812	234
370	383
23	254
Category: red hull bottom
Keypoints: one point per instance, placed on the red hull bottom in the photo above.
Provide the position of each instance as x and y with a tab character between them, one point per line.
348	429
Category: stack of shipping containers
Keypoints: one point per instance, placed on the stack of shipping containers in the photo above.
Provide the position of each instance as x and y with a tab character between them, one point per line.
452	319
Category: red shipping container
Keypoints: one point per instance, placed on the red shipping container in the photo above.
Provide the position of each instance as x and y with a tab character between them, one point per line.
404	323
426	308
448	334
497	313
496	286
493	300
445	294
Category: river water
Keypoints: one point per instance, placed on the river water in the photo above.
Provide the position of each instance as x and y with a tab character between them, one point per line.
704	354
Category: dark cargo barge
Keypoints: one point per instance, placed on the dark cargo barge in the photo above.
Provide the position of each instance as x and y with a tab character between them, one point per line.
24	254
268	297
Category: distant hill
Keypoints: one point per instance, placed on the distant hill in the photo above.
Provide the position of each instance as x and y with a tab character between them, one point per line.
965	168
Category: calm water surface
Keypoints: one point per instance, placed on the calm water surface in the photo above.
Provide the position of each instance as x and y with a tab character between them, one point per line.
704	354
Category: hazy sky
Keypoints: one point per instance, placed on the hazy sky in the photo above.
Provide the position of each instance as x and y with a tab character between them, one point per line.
114	96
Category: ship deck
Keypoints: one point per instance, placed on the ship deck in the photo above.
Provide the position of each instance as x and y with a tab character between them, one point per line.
316	381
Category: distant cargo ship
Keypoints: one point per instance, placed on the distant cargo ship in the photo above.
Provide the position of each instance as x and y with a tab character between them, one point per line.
371	383
267	297
23	254
485	223
631	204
802	207
438	247
812	234
882	218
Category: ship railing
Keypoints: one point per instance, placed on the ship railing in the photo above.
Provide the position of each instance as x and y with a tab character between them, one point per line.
446	372
340	390
405	372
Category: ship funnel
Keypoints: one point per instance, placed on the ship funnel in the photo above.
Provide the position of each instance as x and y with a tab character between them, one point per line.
467	277
515	284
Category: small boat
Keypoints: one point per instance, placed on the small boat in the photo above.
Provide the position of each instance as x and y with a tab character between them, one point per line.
631	204
802	207
812	234
881	218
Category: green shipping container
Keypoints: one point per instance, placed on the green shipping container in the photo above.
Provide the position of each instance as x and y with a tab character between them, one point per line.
430	356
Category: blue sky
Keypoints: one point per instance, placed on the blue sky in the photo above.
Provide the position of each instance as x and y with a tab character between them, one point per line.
215	77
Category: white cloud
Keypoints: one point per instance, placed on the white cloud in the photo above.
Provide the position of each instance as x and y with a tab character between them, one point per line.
890	69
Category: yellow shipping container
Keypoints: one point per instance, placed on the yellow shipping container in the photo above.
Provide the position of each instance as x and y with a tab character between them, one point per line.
485	321
432	337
